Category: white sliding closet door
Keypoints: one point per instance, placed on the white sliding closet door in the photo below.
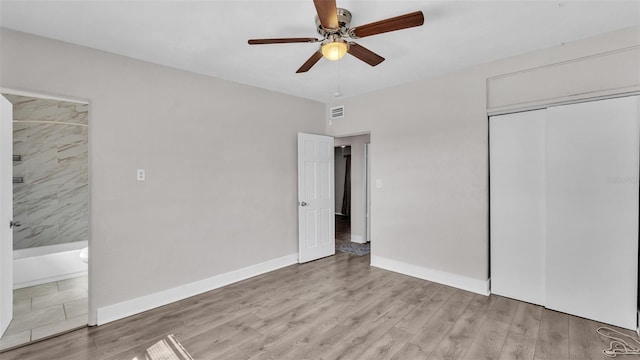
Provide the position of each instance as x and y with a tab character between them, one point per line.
592	210
517	167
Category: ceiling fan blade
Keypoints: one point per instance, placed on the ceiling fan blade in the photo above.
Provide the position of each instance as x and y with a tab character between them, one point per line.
387	25
364	54
309	63
327	13
282	41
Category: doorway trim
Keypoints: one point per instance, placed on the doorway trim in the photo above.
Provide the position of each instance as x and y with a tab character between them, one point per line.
92	311
366	185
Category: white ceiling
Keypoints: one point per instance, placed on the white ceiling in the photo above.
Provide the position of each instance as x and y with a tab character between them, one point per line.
210	37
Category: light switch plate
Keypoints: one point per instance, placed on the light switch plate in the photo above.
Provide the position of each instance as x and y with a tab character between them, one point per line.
140	175
379	183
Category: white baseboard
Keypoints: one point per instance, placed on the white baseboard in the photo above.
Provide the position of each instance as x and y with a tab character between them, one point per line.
357	239
135	306
461	282
41	269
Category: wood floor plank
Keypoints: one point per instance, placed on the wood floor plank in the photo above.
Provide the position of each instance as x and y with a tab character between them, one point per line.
424	310
489	341
281	336
410	351
518	347
217	340
373	309
348	290
584	342
436	328
503	309
387	346
338	303
278	334
382	339
527	320
367	336
233	354
458	340
553	336
261	297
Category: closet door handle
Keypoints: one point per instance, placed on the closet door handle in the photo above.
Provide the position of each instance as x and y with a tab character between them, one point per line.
13	224
303	204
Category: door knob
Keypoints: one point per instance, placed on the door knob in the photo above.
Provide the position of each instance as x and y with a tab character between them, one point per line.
13	224
303	204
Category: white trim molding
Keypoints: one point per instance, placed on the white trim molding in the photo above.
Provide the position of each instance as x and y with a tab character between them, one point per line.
27	93
442	277
547	84
127	308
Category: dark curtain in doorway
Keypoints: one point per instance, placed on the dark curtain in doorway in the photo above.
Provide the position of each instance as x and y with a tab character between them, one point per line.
346	198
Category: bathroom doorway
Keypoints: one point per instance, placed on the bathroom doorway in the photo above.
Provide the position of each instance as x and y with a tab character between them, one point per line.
51	217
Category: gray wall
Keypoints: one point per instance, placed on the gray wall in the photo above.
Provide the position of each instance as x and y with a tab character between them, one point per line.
431	149
220	159
52	204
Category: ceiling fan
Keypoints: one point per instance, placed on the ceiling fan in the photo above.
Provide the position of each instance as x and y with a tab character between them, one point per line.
333	25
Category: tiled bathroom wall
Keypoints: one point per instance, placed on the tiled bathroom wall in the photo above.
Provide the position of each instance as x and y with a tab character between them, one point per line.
51	137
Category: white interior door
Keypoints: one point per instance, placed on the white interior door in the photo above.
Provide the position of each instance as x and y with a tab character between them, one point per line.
592	210
316	223
517	182
6	213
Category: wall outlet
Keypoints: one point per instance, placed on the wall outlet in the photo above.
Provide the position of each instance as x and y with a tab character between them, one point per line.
140	175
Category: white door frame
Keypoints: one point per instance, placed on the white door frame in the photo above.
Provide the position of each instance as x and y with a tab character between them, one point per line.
367	189
365	183
92	316
6	215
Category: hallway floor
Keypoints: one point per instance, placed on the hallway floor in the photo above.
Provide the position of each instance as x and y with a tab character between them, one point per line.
44	310
343	228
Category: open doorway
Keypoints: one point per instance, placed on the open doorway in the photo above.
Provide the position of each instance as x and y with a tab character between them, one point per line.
351	194
342	158
51	218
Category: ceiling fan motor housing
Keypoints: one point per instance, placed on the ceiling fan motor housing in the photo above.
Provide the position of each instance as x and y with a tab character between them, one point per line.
344	21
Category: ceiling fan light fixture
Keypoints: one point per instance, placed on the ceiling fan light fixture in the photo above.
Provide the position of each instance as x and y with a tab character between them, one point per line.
333	24
335	49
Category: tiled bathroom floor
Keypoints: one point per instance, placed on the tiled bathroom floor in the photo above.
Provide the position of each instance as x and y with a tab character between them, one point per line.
44	310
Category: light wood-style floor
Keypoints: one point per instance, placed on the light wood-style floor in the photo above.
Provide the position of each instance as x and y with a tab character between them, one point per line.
337	308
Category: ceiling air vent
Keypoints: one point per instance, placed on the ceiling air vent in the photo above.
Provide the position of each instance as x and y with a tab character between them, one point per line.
336	112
